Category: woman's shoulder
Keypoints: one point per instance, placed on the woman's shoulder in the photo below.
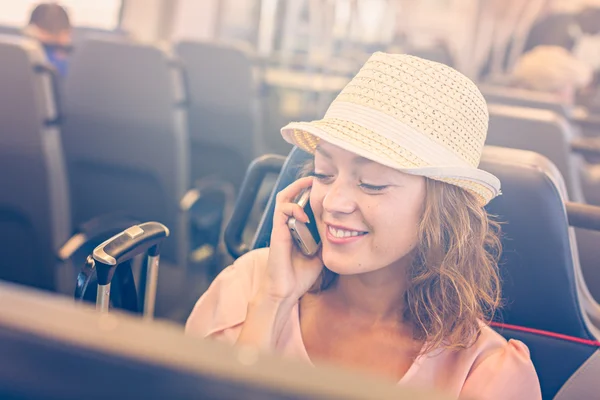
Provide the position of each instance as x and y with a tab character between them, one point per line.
490	342
500	368
487	343
492	368
225	302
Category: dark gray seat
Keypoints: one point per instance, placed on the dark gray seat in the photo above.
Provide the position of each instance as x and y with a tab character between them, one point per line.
223	111
11	30
542	286
127	147
125	137
539	130
581	118
525	98
549	134
82	33
35	217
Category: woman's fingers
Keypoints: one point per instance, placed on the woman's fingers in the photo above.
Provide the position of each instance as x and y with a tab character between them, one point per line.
294	210
290	193
285	208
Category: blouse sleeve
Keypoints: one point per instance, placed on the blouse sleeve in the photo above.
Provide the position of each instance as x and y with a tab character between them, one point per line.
506	374
221	310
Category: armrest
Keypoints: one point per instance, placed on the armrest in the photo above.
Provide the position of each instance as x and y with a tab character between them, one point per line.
206	186
95	230
182	83
202	220
257	171
583	216
586	119
586	146
52	74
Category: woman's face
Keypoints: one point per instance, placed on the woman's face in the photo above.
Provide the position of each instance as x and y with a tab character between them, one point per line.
368	215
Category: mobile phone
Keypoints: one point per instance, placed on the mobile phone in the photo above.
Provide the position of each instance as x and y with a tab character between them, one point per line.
306	236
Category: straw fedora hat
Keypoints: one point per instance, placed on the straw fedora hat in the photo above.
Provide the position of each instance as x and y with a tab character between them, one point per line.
410	114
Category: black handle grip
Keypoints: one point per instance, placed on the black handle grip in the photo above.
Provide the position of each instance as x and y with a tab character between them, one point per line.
179	66
131	242
583	216
257	171
54	79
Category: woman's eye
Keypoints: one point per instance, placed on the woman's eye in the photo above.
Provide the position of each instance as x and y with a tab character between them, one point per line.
322	177
373	188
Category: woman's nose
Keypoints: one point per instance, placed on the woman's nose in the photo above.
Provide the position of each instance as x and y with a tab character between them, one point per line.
339	199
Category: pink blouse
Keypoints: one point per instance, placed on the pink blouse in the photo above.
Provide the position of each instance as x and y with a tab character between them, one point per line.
491	369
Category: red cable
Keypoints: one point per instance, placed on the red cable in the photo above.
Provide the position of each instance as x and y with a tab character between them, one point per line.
573	339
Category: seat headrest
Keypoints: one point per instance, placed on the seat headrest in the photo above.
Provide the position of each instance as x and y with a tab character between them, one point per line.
541	131
11	30
123	81
537	266
525	98
222	85
220	76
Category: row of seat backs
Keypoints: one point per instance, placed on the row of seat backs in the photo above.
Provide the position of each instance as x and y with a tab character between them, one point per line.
121	130
538	267
34	204
123	119
547	133
539	130
218	88
525	98
535	112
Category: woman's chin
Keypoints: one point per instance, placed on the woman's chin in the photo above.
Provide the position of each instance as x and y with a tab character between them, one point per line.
343	264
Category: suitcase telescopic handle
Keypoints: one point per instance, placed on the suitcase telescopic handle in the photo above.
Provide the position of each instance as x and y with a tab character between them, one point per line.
123	247
130	243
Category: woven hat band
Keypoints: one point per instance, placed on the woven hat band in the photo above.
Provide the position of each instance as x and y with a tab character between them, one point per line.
388	128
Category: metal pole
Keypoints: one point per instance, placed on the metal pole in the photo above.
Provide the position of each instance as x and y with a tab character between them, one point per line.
103	297
151	283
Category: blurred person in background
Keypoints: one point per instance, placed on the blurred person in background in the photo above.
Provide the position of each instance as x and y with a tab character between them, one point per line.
566	26
50	24
511	21
552	69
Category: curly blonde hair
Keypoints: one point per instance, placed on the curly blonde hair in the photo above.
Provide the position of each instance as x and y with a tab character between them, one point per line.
454	282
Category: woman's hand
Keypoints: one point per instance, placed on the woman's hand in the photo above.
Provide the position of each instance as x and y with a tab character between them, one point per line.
289	273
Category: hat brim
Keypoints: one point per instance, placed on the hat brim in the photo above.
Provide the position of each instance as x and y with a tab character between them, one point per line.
365	143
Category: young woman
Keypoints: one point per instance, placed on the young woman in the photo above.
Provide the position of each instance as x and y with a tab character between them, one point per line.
406	277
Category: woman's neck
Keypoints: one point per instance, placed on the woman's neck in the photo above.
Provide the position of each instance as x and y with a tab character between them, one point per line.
377	296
